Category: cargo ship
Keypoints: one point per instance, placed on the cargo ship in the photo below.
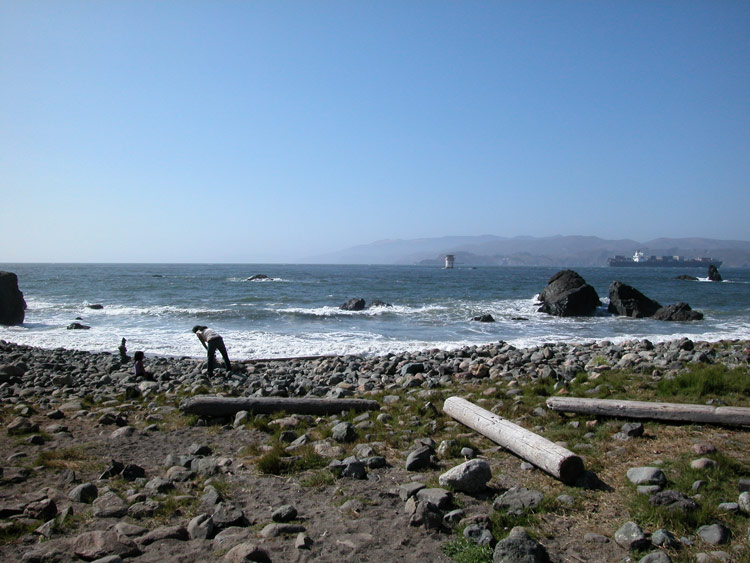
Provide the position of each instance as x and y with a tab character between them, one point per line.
639	260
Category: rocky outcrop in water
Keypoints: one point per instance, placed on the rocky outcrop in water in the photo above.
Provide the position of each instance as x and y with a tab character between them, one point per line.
12	304
627	301
568	295
353	304
677	312
713	273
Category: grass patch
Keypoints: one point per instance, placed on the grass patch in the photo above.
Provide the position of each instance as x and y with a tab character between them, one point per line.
702	382
277	462
462	550
76	458
14	530
720	486
176	504
318	479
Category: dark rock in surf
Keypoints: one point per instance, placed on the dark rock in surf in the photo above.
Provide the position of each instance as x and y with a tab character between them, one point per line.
258	277
354	304
78	326
686	277
484	319
568	295
96	306
677	312
12	304
627	301
713	273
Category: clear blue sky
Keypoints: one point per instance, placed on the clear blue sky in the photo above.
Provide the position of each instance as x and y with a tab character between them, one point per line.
270	131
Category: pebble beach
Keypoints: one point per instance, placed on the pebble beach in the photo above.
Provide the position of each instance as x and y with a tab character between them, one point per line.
140	454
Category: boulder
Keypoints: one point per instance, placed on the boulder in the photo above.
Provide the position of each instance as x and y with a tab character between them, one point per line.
354	304
713	273
677	312
568	295
519	547
486	318
469	477
12	304
78	326
97	544
627	301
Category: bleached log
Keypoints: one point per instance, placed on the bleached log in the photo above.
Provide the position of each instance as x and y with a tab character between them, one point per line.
555	460
208	405
730	416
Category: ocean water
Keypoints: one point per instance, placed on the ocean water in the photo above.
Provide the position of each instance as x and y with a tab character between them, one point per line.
296	311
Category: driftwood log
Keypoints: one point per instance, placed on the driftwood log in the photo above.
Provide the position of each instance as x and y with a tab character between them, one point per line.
555	460
208	405
730	416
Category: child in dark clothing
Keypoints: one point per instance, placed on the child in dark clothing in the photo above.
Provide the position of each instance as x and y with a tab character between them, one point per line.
140	371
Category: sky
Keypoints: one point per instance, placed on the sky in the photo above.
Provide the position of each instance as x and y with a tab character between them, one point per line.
275	131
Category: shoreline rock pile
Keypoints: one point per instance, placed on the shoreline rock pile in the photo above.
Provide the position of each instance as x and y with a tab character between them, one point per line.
52	374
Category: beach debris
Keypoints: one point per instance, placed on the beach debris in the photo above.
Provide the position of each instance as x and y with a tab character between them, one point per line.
555	460
209	405
568	295
678	412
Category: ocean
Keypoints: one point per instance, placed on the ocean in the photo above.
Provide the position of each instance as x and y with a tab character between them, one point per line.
295	311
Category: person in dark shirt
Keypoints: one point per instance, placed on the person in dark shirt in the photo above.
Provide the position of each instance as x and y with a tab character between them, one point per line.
138	368
212	341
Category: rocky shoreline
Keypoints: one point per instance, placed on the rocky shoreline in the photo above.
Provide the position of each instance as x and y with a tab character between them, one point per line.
51	375
122	485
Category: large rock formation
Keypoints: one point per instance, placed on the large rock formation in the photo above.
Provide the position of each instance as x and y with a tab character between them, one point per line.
354	304
568	295
12	304
677	312
627	301
713	273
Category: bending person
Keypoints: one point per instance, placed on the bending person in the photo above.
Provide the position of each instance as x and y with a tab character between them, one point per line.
212	341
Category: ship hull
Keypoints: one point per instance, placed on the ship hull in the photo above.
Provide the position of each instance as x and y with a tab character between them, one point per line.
664	264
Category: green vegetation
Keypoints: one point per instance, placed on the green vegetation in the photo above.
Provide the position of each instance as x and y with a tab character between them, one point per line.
720	486
13	530
277	461
707	381
462	550
77	458
176	504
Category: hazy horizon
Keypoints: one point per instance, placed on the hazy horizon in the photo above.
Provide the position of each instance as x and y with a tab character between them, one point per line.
264	132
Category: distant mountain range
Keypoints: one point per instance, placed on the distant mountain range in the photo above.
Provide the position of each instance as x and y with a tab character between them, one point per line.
490	250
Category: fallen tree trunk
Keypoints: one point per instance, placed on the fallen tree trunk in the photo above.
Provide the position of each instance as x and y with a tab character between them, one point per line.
555	460
731	416
208	405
